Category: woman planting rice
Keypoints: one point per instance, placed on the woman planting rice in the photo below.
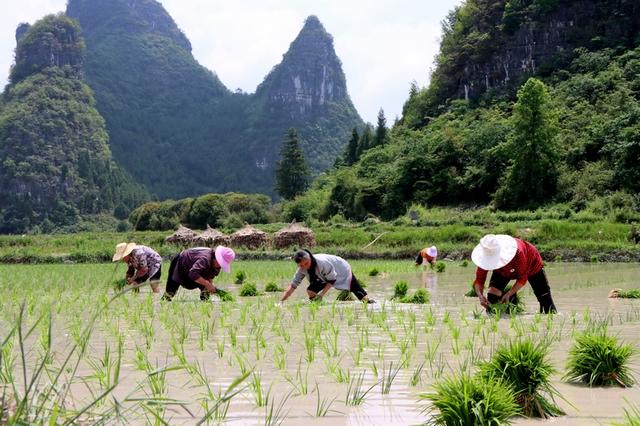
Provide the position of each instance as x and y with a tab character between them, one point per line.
510	258
195	268
143	262
429	255
323	272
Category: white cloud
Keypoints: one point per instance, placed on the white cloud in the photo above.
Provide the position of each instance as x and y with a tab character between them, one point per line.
383	44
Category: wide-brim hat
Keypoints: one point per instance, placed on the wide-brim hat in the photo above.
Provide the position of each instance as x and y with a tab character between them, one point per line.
494	251
123	250
224	257
432	251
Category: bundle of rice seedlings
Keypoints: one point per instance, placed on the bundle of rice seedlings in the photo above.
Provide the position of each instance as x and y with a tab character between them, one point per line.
440	266
625	294
345	296
514	306
466	400
420	297
119	284
471	292
224	295
400	290
524	366
597	359
272	287
373	272
240	277
248	289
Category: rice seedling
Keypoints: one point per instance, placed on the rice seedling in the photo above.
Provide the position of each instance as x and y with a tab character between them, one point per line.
420	297
356	392
374	272
471	292
272	287
260	397
631	417
340	374
597	359
440	266
301	381
624	294
416	376
464	263
248	290
466	400
323	405
275	415
388	376
514	306
224	295
524	366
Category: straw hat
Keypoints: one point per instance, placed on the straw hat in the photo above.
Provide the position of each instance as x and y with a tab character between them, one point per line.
123	250
494	251
432	251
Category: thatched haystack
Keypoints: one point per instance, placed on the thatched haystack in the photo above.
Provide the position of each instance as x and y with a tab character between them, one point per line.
249	237
182	236
294	235
211	237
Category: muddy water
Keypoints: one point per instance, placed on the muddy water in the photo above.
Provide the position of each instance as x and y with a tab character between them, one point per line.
304	352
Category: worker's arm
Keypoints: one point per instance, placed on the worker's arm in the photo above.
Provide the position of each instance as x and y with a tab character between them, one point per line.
208	285
478	286
288	292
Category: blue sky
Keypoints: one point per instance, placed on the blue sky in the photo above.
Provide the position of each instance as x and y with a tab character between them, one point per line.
384	44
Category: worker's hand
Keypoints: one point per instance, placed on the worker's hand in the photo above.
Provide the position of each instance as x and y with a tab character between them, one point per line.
505	297
483	301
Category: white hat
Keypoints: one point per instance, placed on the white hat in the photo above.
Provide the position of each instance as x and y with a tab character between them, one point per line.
123	250
432	251
494	251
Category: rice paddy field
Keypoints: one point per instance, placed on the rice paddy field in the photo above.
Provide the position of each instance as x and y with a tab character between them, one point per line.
77	351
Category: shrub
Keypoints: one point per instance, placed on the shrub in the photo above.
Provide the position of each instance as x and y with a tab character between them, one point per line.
374	272
400	290
240	277
248	289
466	400
597	359
440	266
272	287
524	366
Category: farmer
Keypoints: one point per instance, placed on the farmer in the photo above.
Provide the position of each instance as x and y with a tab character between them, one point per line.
323	272
143	264
510	258
429	254
195	268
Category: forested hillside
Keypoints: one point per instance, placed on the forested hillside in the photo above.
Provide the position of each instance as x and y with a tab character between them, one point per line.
174	125
56	162
570	136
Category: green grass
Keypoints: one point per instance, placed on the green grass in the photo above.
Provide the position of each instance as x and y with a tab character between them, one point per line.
467	400
598	359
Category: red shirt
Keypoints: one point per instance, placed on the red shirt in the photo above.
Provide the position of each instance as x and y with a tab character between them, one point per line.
527	262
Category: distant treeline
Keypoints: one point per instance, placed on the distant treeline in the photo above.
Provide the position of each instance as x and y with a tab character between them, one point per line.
229	210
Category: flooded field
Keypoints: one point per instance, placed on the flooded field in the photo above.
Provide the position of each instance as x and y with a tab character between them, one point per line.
331	363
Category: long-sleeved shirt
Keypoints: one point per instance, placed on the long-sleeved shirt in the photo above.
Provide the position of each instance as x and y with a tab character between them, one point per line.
195	263
526	262
143	258
329	268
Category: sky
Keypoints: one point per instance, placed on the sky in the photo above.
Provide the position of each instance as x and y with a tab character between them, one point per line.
384	45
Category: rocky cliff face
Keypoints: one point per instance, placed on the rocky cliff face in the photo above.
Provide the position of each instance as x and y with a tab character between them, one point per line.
542	42
310	75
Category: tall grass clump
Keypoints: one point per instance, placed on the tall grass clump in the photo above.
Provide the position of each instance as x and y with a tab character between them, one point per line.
467	400
524	366
597	359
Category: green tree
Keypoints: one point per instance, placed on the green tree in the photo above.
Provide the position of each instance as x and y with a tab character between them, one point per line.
380	137
292	173
351	153
532	177
366	140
